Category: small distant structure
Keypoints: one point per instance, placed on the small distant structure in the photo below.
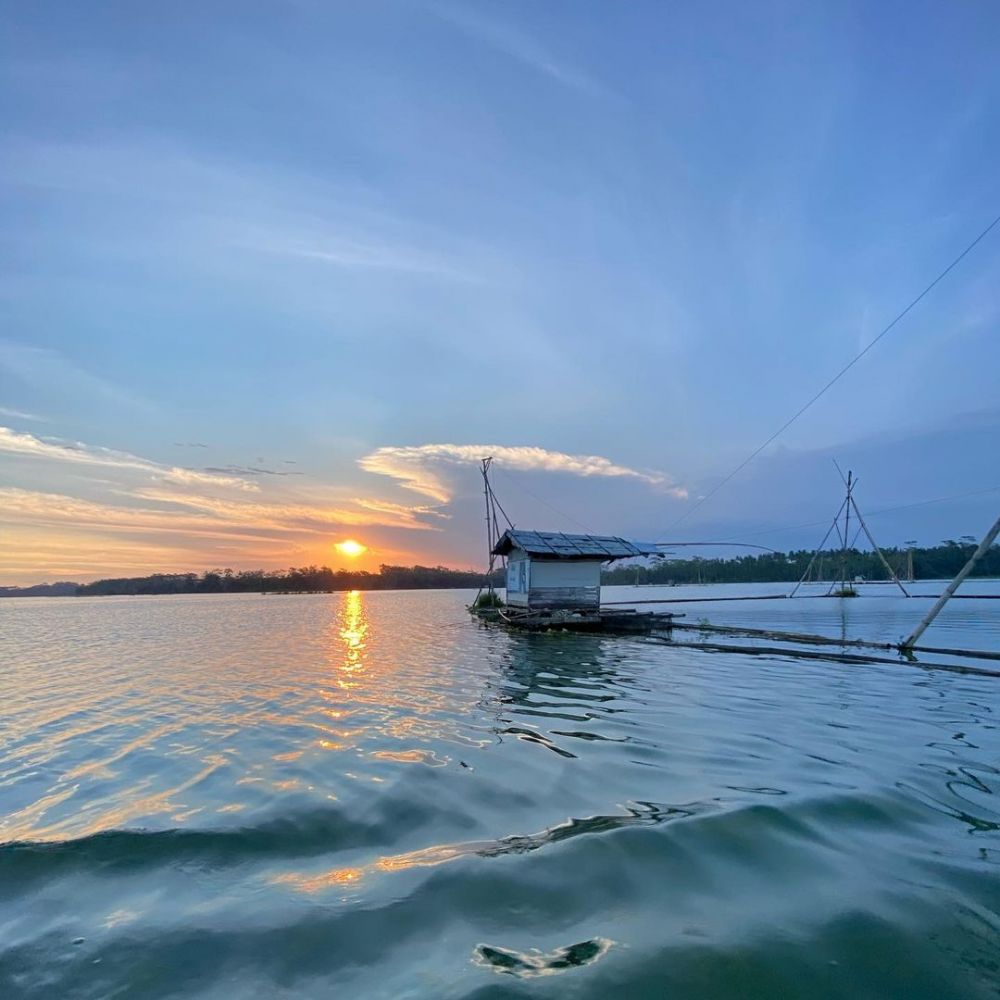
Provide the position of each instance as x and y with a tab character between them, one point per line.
552	571
844	587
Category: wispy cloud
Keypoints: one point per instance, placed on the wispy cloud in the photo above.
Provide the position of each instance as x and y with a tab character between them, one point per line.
48	370
385	507
295	516
6	411
418	467
371	255
247	520
516	44
52	449
214	207
46	509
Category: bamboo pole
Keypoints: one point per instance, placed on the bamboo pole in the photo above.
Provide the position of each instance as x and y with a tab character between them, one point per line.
815	654
847	532
885	562
808	639
702	600
486	462
984	545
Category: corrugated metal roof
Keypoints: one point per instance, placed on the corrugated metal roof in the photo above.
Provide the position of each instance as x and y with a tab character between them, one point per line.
556	545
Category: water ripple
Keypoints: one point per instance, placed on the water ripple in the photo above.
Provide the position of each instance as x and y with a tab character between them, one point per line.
245	796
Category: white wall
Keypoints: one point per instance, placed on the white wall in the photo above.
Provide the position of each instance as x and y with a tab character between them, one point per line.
565	574
552	583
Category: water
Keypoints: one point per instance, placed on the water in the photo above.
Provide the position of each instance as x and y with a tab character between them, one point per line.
372	795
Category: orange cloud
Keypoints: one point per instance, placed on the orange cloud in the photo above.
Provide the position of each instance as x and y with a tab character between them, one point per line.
296	516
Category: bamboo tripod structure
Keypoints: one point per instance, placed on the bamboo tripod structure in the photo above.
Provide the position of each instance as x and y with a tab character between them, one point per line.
847	505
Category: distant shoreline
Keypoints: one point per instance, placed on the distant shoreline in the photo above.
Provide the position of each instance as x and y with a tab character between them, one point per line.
303	580
939	562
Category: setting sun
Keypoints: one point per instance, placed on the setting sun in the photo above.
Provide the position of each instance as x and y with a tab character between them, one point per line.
350	548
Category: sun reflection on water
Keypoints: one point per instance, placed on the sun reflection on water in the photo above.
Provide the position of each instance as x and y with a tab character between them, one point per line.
353	621
378	695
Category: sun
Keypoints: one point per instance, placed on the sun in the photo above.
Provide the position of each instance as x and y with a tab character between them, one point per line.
350	548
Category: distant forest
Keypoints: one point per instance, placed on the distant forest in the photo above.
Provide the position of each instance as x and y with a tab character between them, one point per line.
935	563
297	580
939	562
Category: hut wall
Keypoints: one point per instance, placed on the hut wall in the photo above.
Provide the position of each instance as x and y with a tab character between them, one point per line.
564	583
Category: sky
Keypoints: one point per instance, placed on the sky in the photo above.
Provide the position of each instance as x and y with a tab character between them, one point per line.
277	274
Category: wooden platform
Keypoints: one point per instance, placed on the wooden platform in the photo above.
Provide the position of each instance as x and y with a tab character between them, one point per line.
616	622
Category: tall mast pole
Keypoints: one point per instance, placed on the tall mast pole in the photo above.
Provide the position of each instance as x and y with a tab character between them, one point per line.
486	463
847	532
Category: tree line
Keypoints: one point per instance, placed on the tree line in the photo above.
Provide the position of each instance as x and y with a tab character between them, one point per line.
295	580
938	562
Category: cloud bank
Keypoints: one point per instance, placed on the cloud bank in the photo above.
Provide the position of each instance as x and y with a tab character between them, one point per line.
417	467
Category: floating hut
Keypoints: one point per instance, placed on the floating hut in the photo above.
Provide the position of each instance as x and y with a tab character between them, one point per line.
554	581
551	571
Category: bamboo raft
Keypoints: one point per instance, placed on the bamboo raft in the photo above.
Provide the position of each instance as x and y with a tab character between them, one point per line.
600	621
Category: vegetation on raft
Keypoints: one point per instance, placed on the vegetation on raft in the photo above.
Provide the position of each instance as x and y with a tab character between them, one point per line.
488	599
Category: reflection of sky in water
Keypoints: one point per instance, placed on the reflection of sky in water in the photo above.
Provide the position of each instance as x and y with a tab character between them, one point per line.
380	769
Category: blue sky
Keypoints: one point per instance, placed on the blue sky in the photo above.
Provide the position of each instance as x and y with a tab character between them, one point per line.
345	246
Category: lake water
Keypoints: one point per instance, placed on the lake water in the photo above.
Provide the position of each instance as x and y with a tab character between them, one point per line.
372	795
